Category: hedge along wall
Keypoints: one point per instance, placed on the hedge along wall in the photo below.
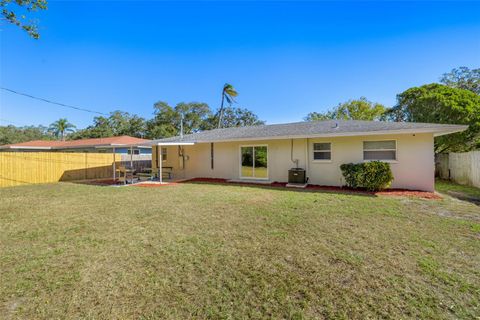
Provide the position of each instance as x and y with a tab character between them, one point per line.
462	168
18	168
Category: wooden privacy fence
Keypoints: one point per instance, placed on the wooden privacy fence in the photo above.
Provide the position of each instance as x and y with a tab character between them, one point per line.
463	168
17	168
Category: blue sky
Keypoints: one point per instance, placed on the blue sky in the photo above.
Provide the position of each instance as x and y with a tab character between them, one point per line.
286	59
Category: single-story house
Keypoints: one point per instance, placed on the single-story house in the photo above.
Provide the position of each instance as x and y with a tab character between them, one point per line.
266	153
119	145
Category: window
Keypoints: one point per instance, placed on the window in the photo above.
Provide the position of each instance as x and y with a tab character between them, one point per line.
254	162
135	151
164	154
322	151
380	150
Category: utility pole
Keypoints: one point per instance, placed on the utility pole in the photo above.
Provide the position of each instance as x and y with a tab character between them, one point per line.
181	126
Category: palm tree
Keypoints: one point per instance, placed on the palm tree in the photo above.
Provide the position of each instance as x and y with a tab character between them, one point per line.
61	127
228	94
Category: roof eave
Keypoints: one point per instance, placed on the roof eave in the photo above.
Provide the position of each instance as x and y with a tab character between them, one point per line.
435	131
455	129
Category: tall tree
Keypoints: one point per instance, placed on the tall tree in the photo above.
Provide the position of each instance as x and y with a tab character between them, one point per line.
463	78
124	123
436	103
359	109
228	94
320	116
118	123
61	128
11	134
101	128
163	123
234	117
196	117
15	12
166	122
194	114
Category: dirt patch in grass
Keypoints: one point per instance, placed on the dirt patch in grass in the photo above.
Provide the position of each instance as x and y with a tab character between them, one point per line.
463	196
410	193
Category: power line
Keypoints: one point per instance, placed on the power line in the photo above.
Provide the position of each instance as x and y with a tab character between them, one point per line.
53	102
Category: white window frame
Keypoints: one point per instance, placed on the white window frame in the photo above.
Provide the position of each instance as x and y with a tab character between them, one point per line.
164	154
385	160
324	151
135	154
240	161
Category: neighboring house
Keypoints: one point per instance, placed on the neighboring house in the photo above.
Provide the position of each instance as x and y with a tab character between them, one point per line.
266	153
119	145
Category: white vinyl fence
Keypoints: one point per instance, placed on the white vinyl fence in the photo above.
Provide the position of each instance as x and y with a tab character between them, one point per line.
463	168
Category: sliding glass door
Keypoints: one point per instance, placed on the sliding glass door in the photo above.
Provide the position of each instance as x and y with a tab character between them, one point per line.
254	162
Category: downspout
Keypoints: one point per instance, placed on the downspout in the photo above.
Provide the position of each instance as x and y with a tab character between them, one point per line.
181	158
307	159
184	164
295	161
114	166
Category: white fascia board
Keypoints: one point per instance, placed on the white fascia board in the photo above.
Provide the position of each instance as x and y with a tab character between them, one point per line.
452	130
73	147
175	143
26	147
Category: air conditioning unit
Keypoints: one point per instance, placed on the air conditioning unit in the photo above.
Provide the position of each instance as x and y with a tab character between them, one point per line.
296	175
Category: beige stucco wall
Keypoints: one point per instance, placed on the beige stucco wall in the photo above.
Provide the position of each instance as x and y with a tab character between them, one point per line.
227	159
173	161
414	168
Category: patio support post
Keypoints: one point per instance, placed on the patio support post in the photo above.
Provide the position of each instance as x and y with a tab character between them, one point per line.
131	158
114	166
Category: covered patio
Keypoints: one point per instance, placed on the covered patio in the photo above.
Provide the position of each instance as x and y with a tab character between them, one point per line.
159	172
167	170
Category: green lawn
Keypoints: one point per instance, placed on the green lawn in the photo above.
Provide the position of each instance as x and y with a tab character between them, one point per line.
234	252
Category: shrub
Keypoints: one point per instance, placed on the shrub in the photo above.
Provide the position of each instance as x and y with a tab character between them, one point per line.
373	176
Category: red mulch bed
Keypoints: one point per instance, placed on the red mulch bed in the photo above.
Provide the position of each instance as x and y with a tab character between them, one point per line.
312	187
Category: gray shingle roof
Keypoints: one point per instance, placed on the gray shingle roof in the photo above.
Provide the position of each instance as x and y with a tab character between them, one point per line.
312	129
